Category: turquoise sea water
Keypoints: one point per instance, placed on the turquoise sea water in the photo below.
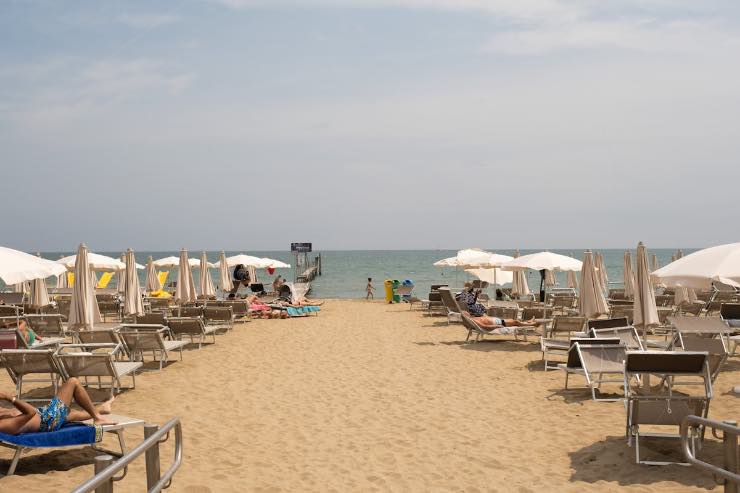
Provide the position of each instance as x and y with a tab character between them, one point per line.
345	273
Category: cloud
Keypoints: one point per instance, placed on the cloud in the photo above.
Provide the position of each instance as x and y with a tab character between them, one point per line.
146	20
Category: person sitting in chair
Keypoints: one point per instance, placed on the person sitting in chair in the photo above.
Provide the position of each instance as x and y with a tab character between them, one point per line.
241	278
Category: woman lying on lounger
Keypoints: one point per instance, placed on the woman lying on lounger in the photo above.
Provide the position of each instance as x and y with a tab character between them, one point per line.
26	332
27	419
496	322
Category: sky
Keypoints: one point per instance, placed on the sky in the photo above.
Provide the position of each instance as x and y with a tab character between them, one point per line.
361	124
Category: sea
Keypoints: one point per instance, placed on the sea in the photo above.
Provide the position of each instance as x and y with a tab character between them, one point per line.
345	272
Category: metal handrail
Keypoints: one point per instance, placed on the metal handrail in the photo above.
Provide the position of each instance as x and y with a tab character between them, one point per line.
106	475
731	432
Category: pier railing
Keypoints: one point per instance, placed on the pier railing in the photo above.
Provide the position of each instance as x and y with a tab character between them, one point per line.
106	467
727	475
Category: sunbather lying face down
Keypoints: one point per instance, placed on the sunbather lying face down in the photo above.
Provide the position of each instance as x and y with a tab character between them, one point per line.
494	322
27	419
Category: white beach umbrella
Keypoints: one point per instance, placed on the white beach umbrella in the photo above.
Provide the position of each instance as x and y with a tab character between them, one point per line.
699	270
629	276
492	276
206	283
275	264
185	286
474	259
246	260
132	303
446	262
591	301
646	312
83	312
573	280
96	261
152	281
17	267
223	273
543	261
39	295
166	262
519	286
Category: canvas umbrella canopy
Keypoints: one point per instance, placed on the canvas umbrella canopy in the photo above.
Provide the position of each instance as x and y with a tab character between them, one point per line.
96	262
492	276
275	264
185	290
592	302
246	260
544	261
166	262
699	270
474	260
16	267
519	286
152	281
446	262
646	312
132	302
83	311
573	279
223	273
39	295
629	276
206	283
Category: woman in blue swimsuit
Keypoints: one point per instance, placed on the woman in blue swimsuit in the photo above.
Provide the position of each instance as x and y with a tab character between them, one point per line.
27	419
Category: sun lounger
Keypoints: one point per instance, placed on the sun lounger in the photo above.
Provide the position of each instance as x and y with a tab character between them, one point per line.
47	325
715	347
299	311
451	305
12	339
20	363
189	311
593	359
606	323
96	361
480	332
670	402
14	311
194	328
552	344
219	316
627	335
156	318
72	434
704	326
140	339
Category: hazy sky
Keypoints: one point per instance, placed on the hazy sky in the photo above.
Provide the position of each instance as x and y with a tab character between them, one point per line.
361	124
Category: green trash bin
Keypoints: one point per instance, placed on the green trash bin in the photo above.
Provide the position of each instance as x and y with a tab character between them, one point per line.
396	296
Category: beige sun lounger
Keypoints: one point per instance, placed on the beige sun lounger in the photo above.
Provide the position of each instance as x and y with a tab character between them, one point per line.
20	363
598	361
47	325
628	335
20	341
670	402
192	327
451	305
221	316
480	332
145	338
96	361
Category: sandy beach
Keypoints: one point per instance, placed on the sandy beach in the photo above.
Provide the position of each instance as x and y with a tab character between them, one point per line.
374	397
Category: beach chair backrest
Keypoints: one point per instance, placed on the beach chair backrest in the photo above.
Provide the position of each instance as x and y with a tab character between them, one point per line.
218	314
186	325
563	301
98	336
601	358
49	325
87	360
20	362
730	311
190	311
11	310
531	312
469	323
238	308
627	335
620	311
152	318
666	362
448	300
574	359
699	325
568	324
607	323
63	305
142	340
504	312
714	346
11	298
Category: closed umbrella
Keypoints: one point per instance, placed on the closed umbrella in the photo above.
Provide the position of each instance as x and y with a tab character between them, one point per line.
132	304
629	276
592	303
646	313
206	283
550	278
62	280
519	286
39	295
121	276
573	279
83	312
655	265
22	287
185	286
223	274
601	270
152	280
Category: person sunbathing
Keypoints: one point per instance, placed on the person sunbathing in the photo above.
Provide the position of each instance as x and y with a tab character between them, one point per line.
28	335
27	419
496	322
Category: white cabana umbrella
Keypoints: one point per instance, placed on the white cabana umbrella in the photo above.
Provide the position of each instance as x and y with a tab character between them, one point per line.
492	276
166	262
152	281
246	260
132	302
646	312
544	261
96	261
83	311
591	303
206	283
629	276
223	274
17	267
275	264
39	295
446	262
573	280
519	286
185	286
699	270
475	259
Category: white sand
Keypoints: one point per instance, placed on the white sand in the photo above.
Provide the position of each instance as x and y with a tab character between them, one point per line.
368	396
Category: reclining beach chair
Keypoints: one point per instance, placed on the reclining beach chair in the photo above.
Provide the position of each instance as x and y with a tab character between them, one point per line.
71	434
192	327
593	359
219	316
96	361
239	308
450	304
152	318
730	313
702	326
189	311
480	332
140	339
102	336
607	323
714	347
554	345
36	362
12	339
627	335
15	311
670	402
63	305
622	311
47	325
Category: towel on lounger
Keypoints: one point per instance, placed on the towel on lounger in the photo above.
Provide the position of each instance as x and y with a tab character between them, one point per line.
68	435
